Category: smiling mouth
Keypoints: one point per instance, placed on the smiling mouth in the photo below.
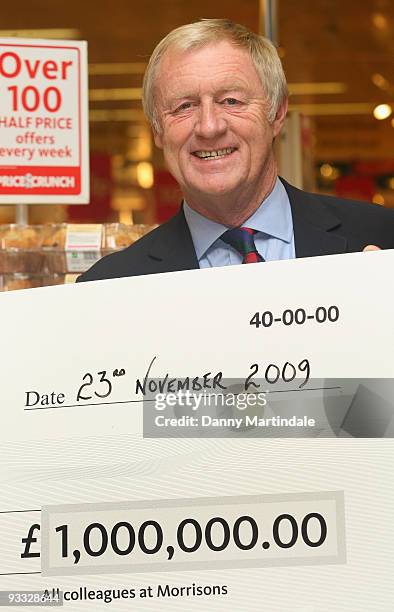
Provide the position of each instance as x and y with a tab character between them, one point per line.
217	153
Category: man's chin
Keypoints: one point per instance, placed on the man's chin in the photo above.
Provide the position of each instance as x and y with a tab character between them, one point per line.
211	188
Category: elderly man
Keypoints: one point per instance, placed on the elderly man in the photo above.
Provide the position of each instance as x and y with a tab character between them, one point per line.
216	96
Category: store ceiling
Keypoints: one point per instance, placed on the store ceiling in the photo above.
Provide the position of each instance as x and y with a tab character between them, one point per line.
349	45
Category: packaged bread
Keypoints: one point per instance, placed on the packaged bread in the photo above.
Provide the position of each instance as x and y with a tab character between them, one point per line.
20	248
119	236
15	236
116	236
55	236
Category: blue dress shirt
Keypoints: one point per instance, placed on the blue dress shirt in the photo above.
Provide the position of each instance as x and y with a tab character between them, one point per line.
273	222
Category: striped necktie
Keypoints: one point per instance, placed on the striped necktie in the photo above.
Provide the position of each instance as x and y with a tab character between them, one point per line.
242	240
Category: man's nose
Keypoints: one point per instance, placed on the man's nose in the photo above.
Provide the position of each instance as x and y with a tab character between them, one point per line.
210	120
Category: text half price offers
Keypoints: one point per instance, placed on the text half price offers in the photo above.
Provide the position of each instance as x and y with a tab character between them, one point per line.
44	139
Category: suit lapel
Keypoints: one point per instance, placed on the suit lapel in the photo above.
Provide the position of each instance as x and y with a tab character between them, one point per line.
175	251
314	225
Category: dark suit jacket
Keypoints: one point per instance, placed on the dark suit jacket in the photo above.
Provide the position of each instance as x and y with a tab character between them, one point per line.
323	225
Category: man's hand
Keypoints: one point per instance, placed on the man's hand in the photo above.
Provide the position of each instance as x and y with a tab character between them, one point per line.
371	247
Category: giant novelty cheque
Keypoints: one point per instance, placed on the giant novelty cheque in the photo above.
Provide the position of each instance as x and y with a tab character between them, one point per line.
261	505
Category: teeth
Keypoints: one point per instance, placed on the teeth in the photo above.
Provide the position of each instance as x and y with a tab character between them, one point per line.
218	153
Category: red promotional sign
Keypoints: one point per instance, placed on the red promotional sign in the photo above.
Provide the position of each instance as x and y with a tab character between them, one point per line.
43	122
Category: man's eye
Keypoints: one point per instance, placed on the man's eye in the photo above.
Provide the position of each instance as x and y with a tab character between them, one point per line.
231	101
182	107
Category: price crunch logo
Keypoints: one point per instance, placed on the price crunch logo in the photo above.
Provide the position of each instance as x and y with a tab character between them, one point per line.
28	181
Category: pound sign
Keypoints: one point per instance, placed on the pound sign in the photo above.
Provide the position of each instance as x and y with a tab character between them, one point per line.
28	541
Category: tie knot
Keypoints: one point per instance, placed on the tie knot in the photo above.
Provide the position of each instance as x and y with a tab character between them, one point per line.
242	240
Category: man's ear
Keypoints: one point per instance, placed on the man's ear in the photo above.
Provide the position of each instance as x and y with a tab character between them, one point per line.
158	139
280	117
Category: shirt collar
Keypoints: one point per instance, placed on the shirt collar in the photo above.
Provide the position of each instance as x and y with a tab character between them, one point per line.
273	218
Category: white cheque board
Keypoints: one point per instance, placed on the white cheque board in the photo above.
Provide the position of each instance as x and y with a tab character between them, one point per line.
103	511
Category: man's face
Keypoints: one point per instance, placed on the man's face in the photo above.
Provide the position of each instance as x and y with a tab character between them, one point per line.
214	132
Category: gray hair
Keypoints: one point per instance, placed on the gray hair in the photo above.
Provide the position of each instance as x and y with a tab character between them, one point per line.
207	31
